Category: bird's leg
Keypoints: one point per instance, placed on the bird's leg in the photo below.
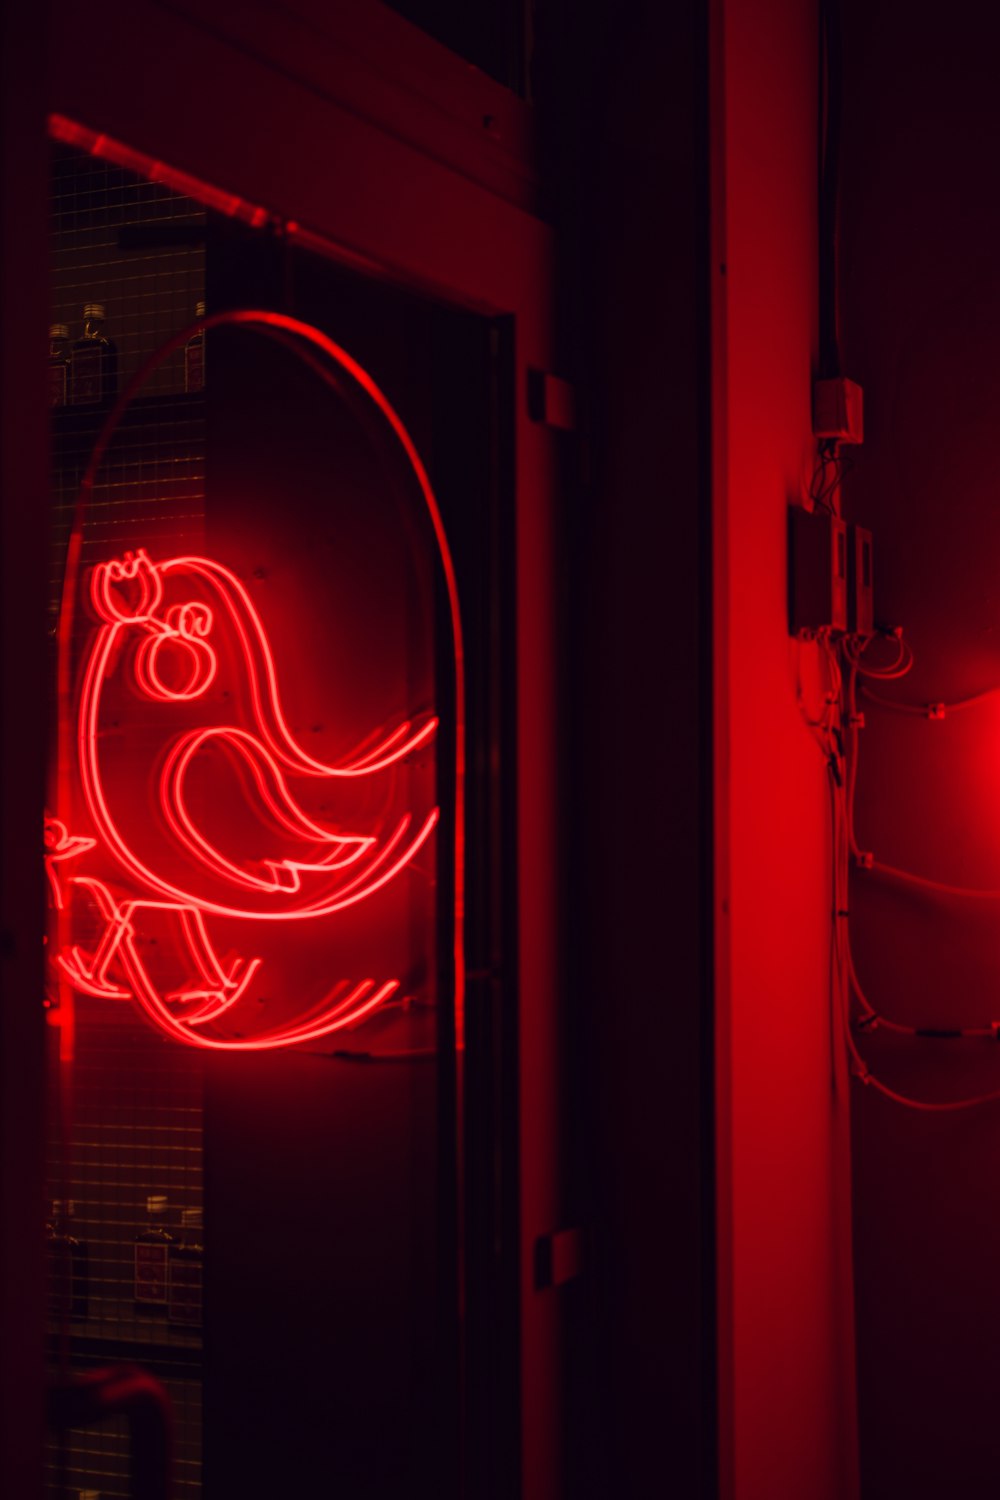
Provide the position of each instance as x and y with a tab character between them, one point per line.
217	987
90	974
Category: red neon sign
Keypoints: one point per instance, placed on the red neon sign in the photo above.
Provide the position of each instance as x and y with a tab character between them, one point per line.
145	860
162	626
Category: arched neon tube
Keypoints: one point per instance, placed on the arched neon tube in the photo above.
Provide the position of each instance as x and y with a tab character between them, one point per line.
337	869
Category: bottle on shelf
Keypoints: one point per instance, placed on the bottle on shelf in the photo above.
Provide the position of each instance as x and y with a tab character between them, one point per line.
194	355
59	364
93	379
152	1256
69	1270
187	1257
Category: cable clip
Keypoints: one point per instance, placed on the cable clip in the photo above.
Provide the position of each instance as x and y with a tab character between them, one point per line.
857	720
864	859
868	1023
936	710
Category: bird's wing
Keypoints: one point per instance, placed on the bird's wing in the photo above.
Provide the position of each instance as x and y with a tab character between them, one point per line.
268	797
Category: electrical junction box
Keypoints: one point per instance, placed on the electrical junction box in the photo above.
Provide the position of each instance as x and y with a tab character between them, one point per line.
817	574
860	606
838	410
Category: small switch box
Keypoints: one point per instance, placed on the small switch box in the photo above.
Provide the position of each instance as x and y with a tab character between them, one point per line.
838	410
817	574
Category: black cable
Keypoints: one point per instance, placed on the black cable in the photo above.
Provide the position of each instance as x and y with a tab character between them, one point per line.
831	73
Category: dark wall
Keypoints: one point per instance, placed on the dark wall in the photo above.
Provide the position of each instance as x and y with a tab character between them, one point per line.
490	35
22	723
921	286
623	100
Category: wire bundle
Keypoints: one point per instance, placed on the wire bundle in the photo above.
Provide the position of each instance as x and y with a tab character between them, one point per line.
837	731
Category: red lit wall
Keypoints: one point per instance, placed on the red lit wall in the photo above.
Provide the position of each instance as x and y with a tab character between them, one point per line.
786	1333
921	285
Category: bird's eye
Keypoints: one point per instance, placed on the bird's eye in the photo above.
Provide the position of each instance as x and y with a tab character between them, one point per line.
193	620
177	663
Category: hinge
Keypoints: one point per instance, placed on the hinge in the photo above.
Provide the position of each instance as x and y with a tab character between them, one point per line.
559	1258
551	400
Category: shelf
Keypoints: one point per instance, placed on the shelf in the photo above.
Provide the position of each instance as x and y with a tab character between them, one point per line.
75	429
115	1330
161	1360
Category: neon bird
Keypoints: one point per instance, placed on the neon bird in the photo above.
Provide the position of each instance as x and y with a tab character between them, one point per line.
164	631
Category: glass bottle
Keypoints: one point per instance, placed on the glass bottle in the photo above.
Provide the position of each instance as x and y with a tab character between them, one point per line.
94	371
152	1255
69	1269
186	1261
194	355
59	364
